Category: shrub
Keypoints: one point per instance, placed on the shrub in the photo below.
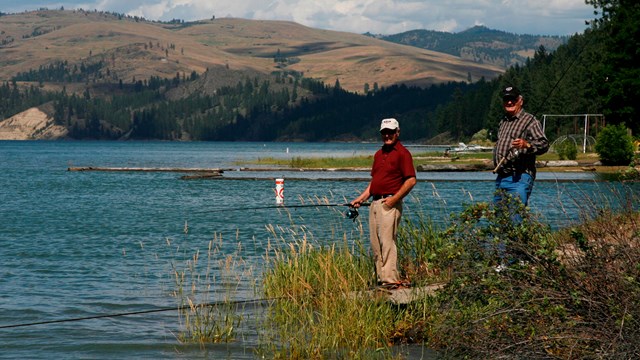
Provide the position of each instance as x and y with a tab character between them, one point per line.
614	145
481	138
572	296
567	150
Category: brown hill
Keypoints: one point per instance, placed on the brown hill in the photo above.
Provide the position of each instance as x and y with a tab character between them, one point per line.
136	49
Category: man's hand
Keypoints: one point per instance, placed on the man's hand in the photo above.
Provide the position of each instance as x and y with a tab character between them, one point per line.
520	144
390	201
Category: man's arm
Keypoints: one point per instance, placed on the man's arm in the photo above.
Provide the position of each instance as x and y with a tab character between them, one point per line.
406	187
362	198
536	142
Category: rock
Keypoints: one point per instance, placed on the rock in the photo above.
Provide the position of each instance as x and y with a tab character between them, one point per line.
559	163
31	124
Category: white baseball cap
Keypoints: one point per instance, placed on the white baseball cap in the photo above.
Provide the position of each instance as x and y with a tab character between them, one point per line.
390	123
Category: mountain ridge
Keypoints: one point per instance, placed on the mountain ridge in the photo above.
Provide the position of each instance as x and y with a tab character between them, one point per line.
134	48
479	44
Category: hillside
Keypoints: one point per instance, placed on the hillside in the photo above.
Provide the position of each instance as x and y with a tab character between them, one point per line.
479	44
128	48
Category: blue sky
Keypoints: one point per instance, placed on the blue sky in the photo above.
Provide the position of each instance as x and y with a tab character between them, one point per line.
542	17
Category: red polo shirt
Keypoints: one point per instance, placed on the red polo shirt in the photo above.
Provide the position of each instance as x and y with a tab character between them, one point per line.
391	167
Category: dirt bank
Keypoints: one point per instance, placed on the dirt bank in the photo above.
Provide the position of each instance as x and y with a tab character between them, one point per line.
31	124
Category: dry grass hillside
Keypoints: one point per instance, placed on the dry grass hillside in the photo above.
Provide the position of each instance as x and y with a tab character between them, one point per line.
137	49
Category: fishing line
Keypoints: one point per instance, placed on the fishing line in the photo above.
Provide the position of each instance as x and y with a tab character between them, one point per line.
284	207
535	113
351	213
584	46
176	308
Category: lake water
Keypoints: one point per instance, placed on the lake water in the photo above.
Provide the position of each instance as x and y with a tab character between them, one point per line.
84	244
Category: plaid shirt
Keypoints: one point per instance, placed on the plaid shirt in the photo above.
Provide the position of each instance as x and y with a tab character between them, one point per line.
525	126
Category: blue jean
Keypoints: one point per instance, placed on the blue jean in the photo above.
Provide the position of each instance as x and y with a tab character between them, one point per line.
519	185
516	185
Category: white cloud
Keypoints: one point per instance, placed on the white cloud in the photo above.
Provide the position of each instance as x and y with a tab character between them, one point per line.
556	17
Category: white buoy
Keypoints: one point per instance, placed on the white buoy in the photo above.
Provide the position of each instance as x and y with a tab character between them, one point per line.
279	191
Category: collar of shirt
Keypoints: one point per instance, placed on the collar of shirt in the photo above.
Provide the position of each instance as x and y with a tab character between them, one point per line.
389	148
508	117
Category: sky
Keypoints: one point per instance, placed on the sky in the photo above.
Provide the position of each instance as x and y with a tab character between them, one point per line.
535	17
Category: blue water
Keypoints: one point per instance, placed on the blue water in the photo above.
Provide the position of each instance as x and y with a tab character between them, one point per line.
82	244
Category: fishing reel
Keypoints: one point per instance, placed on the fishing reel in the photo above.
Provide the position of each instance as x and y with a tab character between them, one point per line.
352	213
512	155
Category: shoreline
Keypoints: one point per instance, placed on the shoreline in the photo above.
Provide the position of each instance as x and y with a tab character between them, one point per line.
546	166
307	174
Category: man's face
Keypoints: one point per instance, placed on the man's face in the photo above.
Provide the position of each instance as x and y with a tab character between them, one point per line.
389	137
512	105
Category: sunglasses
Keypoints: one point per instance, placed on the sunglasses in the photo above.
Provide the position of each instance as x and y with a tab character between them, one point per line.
387	132
508	99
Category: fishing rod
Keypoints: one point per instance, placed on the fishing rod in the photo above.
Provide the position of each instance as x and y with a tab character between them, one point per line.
283	206
516	152
351	213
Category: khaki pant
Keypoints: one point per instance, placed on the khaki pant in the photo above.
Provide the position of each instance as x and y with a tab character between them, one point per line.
383	228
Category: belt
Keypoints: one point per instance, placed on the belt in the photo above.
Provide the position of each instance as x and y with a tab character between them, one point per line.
378	197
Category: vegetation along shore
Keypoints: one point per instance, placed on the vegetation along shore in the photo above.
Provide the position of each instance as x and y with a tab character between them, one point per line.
571	295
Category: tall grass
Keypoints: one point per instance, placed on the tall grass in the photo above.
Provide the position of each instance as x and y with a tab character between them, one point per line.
324	308
206	293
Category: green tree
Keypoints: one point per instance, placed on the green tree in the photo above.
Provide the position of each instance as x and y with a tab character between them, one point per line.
619	74
615	145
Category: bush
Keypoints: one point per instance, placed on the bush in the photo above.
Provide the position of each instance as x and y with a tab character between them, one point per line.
481	138
571	297
615	145
567	150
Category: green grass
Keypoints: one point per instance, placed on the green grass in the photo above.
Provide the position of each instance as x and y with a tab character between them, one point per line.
323	311
309	163
419	158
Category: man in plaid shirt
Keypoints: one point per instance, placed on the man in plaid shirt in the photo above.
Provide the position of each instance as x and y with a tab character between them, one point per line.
520	139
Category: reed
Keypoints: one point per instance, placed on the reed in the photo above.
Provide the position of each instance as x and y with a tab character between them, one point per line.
322	308
420	242
206	292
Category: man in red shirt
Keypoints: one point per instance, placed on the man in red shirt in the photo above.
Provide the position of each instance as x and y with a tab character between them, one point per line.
392	178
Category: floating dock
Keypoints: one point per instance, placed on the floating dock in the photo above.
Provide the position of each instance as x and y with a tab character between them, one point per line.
146	169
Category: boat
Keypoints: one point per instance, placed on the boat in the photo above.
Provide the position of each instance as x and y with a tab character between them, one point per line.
464	148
